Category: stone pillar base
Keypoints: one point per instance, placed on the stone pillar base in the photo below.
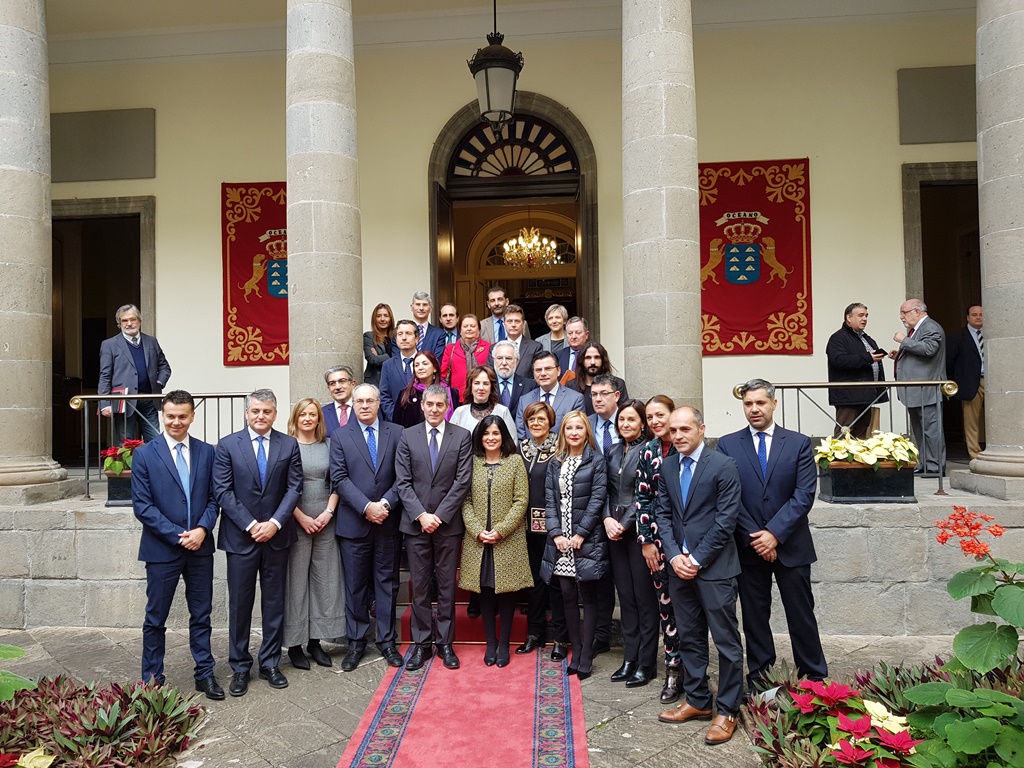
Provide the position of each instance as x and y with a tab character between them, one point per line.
994	486
26	471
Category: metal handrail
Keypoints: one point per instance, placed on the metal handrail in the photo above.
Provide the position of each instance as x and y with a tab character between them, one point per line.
947	387
78	403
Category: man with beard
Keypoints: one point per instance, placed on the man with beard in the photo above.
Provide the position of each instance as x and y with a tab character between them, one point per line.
592	361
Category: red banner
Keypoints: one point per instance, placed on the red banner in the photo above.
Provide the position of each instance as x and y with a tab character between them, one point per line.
755	240
255	258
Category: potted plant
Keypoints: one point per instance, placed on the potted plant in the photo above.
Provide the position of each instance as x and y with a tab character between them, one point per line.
117	466
855	471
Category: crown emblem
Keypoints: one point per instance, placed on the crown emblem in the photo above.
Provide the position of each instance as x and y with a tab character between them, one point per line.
742	232
277	249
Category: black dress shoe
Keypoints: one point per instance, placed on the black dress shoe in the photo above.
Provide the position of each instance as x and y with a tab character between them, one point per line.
274	677
392	656
600	646
558	651
503	656
319	654
672	690
580	675
211	688
624	672
532	643
239	684
447	655
352	659
297	657
571	670
642	676
421	655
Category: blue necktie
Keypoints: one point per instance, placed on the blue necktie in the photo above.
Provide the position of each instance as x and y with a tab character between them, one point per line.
762	453
502	336
371	445
606	444
434	449
408	369
506	396
423	335
261	460
547	398
183	476
685	477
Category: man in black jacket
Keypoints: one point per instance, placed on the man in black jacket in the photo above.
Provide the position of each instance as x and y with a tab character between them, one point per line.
854	356
965	364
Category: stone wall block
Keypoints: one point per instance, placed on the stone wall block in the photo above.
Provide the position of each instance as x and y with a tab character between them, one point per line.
28	285
113	519
35	519
109	555
656	56
20	332
996	46
12	603
23	54
990	10
1003	264
27	15
643	216
847	553
336	231
25	194
931	611
51	603
14	562
115	603
318	76
179	618
897	554
52	555
321	27
992	213
824	515
860	609
1002	96
897	516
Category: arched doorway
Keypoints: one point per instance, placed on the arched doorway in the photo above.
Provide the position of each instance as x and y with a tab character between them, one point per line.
483	188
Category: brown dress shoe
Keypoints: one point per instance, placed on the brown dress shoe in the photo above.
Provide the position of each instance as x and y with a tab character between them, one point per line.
721	730
684	712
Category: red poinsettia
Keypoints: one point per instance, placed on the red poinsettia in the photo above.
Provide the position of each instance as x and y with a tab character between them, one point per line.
117	458
805	701
8	760
847	754
898	742
859	728
830	695
887	762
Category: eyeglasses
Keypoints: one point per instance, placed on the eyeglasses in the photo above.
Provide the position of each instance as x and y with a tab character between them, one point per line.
548	369
915	309
595	395
365	402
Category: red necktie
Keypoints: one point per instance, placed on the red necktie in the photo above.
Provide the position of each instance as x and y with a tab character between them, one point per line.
343	415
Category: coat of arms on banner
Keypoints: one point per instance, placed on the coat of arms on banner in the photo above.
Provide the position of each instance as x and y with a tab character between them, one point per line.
255	254
756	279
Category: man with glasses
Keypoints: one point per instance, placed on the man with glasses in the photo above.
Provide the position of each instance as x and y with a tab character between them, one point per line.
921	356
546	372
340	380
511	385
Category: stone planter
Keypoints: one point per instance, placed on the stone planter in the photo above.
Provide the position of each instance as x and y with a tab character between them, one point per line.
119	489
843	482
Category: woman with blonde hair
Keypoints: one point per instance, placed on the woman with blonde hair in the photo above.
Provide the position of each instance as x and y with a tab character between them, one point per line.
315	598
576	557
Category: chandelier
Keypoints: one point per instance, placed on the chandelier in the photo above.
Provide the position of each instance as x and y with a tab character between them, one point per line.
531	250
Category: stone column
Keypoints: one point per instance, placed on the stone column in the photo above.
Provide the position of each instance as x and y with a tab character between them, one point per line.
325	266
660	227
1000	72
26	303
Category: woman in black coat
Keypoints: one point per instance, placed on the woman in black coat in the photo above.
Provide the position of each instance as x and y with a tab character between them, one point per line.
577	552
377	345
638	602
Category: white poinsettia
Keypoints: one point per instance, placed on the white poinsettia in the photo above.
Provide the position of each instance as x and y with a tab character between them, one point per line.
881	446
881	717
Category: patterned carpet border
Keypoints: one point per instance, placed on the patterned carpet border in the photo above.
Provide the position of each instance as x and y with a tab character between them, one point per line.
553	744
384	735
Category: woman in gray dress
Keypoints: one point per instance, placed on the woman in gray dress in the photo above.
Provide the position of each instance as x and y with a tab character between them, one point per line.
314	601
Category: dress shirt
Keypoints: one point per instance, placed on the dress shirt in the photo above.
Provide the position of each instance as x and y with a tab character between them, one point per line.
347	407
697	453
440	432
768	434
255	452
974	335
172	444
133	340
496	322
553	393
376	431
600	430
875	367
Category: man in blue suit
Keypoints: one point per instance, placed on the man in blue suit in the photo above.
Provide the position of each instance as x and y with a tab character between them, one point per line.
172	495
698	505
397	372
133	363
778	479
562	399
429	338
369	511
511	386
340	381
257	478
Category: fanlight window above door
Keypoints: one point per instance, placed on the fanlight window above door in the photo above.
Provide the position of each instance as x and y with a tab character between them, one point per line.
528	146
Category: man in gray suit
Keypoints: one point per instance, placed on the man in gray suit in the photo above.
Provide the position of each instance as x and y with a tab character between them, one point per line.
699	502
546	373
921	356
433	469
493	328
133	363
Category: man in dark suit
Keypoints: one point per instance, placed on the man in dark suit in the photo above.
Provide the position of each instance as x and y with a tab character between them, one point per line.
429	337
257	478
593	363
369	511
448	319
132	363
698	506
397	372
577	334
854	356
172	496
965	364
526	348
778	480
511	385
562	399
434	466
340	380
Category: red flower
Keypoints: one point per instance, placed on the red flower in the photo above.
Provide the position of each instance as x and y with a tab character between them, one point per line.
943	537
859	729
110	452
130	444
847	754
898	742
804	700
996	530
8	760
887	762
987	518
830	694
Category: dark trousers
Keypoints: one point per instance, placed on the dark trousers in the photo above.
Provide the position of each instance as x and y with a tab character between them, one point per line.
543	596
370	568
432	555
270	566
702	605
581	634
755	586
605	608
142	419
161	583
497	612
638	603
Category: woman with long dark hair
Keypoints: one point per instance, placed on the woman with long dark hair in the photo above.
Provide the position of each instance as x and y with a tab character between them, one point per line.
576	557
495	563
638	602
377	342
481	399
425	371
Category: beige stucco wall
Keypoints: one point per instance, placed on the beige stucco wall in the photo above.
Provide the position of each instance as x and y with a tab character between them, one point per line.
827	92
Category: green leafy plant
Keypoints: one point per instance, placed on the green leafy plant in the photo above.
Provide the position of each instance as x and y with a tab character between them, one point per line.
11	683
995	589
118	458
881	446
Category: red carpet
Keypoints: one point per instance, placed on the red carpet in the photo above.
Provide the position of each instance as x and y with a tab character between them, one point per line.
467	630
528	714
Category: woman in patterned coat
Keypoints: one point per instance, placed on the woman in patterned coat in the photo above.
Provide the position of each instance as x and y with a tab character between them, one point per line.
495	562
